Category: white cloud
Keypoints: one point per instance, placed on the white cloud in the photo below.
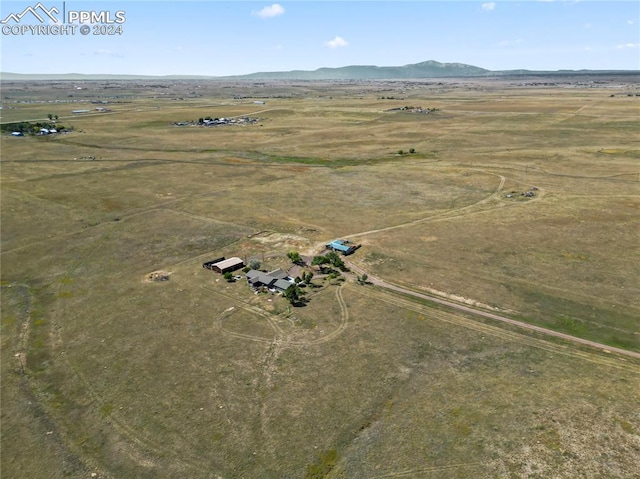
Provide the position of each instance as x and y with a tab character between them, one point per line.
588	25
487	7
628	45
270	11
337	42
630	22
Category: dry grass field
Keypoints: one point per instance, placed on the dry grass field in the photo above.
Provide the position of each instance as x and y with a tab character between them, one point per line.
108	375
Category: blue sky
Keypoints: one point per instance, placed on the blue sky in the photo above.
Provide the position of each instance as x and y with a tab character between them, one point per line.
227	38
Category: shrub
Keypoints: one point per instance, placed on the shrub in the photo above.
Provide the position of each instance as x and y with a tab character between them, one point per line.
254	264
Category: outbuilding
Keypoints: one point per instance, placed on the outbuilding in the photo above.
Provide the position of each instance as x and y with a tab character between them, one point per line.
343	246
227	265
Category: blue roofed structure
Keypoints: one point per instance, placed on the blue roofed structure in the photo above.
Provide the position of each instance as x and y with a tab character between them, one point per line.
345	247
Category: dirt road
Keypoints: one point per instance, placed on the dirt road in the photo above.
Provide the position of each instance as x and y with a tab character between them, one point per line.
479	312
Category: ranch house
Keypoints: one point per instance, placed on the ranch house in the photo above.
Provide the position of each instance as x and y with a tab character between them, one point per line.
277	280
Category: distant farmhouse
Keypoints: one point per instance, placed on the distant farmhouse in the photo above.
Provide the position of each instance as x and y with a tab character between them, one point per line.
223	265
343	246
277	280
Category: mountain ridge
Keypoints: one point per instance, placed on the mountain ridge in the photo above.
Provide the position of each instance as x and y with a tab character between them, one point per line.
426	69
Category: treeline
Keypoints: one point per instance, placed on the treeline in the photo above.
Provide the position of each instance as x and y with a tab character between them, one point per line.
28	128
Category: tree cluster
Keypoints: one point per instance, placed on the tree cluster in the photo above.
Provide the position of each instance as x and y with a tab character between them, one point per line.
307	277
295	257
27	128
294	295
331	258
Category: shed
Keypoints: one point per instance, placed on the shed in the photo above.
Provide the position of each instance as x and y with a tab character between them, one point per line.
340	245
209	264
226	265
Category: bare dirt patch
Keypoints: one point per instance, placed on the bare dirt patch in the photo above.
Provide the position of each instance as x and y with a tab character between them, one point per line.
157	276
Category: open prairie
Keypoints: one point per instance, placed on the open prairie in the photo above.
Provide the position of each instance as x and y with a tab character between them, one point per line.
513	196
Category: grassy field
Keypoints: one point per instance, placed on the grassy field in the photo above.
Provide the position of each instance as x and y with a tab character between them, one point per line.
106	373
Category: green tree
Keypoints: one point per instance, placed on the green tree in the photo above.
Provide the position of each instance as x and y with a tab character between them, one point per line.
319	260
293	294
50	116
335	260
228	276
412	151
295	257
254	264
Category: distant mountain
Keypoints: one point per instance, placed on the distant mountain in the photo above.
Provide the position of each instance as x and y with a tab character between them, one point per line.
428	69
